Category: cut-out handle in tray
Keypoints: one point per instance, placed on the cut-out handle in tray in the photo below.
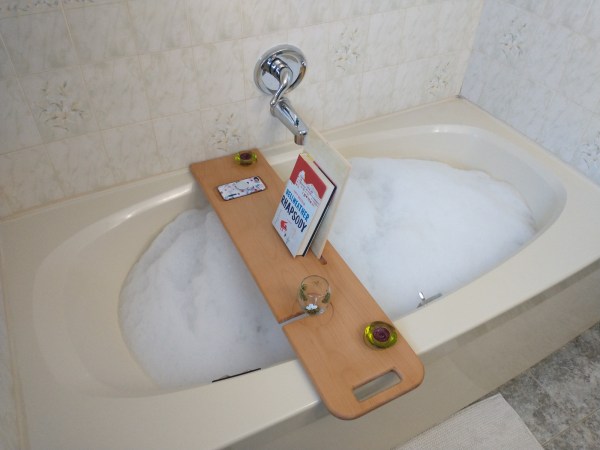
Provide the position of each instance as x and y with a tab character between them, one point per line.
339	362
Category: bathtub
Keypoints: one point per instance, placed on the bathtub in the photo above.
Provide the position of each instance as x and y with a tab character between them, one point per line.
79	387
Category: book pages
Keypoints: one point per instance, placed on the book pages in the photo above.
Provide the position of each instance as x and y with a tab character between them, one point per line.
337	169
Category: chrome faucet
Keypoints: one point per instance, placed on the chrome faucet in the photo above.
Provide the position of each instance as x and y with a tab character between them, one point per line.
283	110
286	65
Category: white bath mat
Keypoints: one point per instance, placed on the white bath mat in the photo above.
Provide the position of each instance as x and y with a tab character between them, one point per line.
490	424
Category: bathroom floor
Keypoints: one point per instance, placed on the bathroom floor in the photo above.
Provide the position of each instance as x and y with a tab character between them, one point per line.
559	398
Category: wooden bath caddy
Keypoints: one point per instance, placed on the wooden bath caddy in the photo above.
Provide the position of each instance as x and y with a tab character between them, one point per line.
330	346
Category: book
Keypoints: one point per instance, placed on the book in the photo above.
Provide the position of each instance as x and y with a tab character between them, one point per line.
336	168
307	194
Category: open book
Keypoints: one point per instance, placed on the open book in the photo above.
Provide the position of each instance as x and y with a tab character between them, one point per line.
305	199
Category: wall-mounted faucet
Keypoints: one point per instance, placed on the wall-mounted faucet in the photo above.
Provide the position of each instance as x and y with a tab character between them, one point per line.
279	71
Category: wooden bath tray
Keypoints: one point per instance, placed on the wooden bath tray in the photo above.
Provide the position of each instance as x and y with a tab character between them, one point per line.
330	346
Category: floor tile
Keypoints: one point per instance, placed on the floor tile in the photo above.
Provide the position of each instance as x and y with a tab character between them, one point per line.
559	398
542	415
583	436
571	375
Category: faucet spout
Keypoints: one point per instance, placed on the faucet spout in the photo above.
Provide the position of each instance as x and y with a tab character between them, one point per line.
282	109
286	64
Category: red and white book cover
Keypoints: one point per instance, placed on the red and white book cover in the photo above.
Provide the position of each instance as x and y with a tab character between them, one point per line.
303	203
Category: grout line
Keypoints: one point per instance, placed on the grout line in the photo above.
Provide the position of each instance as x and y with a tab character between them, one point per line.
579	422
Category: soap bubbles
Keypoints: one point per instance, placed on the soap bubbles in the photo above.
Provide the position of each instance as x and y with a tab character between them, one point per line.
191	313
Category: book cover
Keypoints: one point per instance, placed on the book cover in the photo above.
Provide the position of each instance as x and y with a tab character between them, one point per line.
303	203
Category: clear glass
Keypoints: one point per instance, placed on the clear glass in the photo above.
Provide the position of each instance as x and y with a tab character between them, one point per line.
314	294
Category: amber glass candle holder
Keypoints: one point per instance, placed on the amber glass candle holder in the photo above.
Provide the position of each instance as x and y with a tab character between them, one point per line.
245	158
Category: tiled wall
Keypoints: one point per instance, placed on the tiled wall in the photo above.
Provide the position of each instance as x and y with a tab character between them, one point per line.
95	93
536	65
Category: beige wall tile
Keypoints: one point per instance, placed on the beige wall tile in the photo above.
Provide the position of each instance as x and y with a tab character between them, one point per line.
10	8
159	25
225	129
132	152
102	32
212	21
220	72
261	17
385	43
69	4
81	164
38	42
59	103
342	101
17	126
171	82
117	93
6	67
27	179
180	140
347	47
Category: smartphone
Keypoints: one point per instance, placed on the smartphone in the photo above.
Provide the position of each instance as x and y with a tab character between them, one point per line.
241	188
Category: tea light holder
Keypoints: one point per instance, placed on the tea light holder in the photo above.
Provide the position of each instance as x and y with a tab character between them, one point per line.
245	158
380	335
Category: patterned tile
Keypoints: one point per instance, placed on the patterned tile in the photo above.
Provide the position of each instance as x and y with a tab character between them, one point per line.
10	8
225	129
59	103
347	46
588	158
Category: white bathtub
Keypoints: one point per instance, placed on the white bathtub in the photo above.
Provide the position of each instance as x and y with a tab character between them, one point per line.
78	386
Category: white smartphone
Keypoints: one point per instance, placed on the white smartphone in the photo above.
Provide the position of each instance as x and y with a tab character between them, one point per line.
241	188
